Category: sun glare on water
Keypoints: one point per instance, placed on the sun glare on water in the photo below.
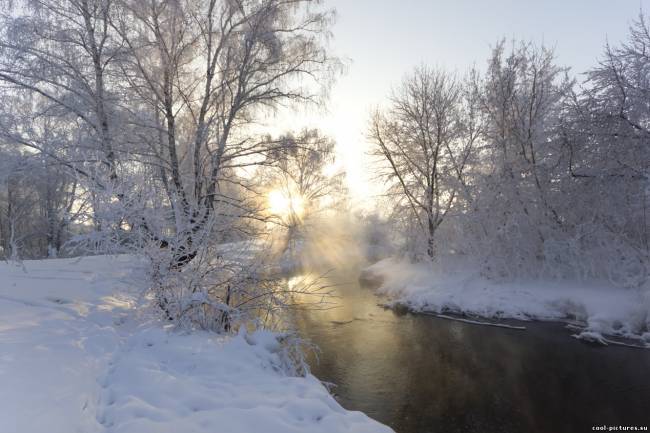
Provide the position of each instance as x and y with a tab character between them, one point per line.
285	205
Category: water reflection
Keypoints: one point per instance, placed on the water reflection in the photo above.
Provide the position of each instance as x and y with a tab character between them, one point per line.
422	374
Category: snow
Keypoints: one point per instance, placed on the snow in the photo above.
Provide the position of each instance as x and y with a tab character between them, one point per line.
78	356
597	307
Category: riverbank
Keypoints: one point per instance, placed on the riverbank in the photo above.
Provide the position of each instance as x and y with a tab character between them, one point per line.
418	373
595	309
81	353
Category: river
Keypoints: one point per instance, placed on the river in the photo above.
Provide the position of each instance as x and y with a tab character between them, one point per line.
421	374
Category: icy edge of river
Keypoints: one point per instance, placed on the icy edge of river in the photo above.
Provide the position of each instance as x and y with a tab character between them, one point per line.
599	312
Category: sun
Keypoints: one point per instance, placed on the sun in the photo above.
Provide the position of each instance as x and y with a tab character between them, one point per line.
285	205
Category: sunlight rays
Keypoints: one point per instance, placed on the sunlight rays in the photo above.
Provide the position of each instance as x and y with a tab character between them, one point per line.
285	205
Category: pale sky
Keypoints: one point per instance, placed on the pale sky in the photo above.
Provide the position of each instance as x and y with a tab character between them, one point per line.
385	39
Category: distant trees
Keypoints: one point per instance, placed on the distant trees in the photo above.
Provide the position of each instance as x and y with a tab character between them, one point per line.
39	206
303	169
303	186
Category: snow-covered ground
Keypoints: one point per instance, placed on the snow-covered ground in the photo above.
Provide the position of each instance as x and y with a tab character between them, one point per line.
77	356
596	307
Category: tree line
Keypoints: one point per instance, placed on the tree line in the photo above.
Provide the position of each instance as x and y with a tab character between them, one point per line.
528	170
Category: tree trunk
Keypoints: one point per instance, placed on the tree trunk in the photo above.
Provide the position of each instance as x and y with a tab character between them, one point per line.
431	250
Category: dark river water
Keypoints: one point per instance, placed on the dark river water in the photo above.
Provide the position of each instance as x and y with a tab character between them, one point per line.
422	374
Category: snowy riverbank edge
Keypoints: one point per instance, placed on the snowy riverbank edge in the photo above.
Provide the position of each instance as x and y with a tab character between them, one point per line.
596	309
77	355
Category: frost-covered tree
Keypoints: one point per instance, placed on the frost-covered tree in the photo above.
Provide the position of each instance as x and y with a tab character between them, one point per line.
516	175
607	151
423	140
60	55
198	74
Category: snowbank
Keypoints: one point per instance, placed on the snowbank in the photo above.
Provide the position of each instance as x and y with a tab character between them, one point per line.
75	356
596	307
162	382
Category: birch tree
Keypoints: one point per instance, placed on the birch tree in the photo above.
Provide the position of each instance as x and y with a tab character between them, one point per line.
200	73
60	53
